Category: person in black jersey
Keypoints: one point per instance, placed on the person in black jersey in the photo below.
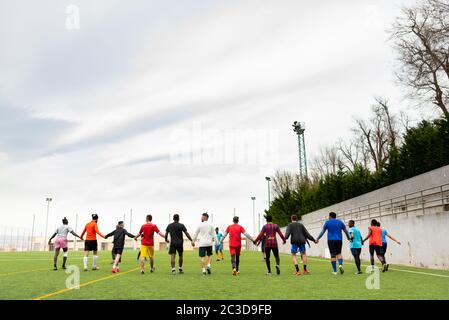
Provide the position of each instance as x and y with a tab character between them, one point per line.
176	231
119	244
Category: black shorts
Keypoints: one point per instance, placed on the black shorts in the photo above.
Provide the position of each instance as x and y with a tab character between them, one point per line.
335	247
377	249
176	248
356	252
90	245
117	250
263	244
384	248
203	251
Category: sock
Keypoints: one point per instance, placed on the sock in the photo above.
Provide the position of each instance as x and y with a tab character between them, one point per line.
233	262
305	267
334	266
340	262
208	266
297	268
203	269
64	260
94	261
85	262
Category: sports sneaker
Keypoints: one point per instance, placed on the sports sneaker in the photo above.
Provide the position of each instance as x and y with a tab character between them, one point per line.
297	273
114	270
334	273
387	266
234	272
152	269
142	272
218	259
269	274
85	269
384	267
209	271
118	269
278	270
204	273
359	272
341	269
64	267
181	271
306	272
173	271
95	268
55	268
238	272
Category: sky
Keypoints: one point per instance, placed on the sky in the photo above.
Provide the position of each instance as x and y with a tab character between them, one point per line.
167	107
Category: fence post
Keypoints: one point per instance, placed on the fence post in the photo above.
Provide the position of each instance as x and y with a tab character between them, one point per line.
422	203
406	206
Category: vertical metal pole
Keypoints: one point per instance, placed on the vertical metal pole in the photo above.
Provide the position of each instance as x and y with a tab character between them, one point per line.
4	238
130	219
46	224
269	193
32	233
254	215
75	245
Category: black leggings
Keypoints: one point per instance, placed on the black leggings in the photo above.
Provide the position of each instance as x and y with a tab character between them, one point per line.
268	254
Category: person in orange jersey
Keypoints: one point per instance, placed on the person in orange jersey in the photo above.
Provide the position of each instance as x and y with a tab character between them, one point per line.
375	244
91	244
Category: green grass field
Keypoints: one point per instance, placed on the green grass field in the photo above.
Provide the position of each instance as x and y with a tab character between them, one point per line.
30	276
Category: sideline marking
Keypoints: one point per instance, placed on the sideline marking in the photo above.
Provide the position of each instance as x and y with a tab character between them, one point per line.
85	284
395	269
25	271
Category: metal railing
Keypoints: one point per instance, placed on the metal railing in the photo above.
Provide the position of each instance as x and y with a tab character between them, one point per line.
418	203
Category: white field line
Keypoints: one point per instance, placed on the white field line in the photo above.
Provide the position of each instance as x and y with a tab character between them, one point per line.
395	269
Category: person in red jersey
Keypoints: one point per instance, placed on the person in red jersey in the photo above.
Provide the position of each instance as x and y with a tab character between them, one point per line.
147	247
271	243
375	243
235	232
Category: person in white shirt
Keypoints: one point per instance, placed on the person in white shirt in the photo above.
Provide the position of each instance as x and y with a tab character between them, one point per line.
61	242
206	234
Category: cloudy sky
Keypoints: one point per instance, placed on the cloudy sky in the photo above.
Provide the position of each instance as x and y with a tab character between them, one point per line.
176	106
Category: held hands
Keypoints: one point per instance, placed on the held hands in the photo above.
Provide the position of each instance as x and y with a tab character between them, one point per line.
317	241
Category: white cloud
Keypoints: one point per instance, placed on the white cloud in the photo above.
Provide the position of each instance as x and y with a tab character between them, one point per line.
137	72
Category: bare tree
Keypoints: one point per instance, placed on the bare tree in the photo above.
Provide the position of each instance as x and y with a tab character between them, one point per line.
284	181
421	38
379	133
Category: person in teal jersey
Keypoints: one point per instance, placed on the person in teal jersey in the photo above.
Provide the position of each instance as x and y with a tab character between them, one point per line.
383	251
356	244
219	245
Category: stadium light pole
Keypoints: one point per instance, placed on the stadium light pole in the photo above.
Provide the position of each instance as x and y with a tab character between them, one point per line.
46	222
254	214
76	227
32	233
269	200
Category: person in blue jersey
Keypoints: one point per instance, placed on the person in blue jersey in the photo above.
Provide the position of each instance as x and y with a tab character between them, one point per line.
334	228
356	244
219	245
383	251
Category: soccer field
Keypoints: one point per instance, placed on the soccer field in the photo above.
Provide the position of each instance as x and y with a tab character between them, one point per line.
30	276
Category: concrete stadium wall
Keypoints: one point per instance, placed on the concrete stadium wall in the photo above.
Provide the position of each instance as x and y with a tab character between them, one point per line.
423	233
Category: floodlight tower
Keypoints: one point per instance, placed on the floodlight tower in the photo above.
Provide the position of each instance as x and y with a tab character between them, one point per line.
299	129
